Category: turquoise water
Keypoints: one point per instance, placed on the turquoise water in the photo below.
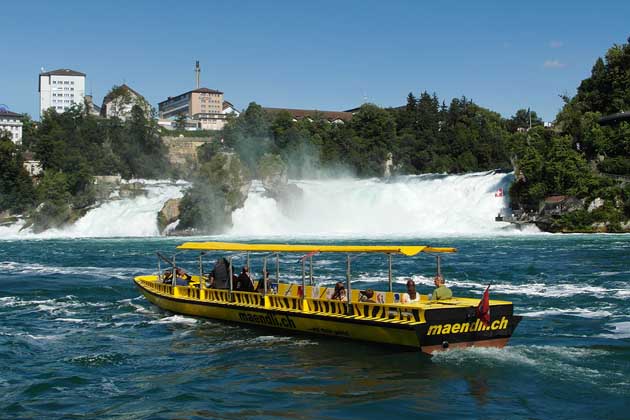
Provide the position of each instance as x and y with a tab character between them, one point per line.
77	340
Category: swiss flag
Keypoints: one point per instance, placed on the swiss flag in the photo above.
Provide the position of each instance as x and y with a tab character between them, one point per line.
483	309
499	193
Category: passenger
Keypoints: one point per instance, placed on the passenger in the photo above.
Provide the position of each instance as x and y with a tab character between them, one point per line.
167	277
220	275
441	291
244	281
340	292
260	287
411	296
182	278
367	296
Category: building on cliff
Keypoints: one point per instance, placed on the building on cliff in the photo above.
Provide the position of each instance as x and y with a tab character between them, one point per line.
60	89
204	109
11	123
119	102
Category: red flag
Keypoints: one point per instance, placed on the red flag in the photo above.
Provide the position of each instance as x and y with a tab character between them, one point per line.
483	309
499	193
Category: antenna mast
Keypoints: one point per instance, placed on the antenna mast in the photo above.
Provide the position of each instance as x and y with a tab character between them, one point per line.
197	74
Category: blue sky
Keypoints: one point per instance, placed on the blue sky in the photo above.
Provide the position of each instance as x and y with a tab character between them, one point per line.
326	55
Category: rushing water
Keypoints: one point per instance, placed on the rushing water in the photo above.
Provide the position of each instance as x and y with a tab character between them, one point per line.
77	340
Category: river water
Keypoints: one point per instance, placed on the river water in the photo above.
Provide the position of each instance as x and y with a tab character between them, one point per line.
77	340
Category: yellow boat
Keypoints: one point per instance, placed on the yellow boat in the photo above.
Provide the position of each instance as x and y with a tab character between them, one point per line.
427	325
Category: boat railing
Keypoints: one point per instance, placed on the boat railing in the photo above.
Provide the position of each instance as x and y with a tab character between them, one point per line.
336	307
248	298
217	295
163	288
368	310
285	302
395	312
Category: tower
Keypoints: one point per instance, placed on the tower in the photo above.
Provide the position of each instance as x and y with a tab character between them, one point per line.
197	74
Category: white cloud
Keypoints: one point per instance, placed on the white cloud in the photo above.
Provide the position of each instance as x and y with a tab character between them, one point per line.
553	64
556	44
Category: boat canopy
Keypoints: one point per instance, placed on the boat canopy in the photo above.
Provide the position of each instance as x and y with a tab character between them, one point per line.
408	250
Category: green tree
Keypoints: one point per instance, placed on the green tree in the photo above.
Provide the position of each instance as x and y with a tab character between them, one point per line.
16	189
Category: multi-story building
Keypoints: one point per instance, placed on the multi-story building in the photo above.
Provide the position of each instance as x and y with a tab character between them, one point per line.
191	103
203	108
12	123
60	89
120	100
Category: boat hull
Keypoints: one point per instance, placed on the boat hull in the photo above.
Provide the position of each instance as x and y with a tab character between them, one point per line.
448	328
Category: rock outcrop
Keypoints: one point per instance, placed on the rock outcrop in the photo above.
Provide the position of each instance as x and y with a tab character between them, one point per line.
169	214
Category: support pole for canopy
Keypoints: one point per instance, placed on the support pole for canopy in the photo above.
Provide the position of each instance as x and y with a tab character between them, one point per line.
348	286
202	282
174	276
278	270
264	277
159	271
249	263
310	265
303	277
439	269
230	274
389	271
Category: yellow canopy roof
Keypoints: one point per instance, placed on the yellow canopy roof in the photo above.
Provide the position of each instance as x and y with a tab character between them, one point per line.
408	250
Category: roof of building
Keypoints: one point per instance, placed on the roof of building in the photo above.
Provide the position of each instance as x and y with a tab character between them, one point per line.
206	90
7	113
63	72
112	94
310	113
554	199
227	104
200	90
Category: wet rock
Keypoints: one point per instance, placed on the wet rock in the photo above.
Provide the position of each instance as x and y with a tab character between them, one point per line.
168	214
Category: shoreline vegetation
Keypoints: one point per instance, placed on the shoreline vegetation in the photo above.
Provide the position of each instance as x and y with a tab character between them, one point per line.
572	177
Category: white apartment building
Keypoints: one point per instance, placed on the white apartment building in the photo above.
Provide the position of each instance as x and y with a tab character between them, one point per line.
60	89
12	123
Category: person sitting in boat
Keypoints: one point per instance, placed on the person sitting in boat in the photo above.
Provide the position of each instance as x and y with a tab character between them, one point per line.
260	287
340	292
182	278
167	277
367	296
244	282
441	291
411	296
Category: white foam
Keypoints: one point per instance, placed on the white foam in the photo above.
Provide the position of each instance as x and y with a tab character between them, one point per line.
566	363
129	217
175	319
618	330
408	206
579	312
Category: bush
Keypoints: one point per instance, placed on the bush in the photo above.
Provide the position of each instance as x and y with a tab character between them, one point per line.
615	165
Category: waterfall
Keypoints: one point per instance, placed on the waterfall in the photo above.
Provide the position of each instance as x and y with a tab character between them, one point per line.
406	206
126	217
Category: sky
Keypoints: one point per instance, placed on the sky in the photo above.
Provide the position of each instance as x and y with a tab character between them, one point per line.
326	55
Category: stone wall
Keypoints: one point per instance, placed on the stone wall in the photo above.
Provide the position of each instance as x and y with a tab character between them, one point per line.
183	150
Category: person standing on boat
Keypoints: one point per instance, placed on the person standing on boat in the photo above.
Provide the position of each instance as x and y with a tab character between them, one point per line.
441	291
220	275
411	296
